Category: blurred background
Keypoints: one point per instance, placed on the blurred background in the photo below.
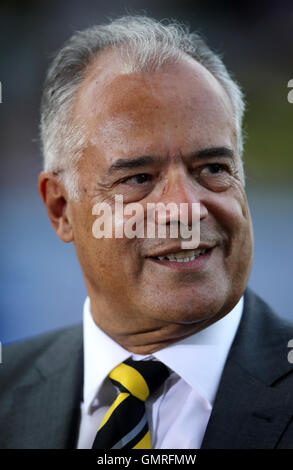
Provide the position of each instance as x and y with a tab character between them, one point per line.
41	283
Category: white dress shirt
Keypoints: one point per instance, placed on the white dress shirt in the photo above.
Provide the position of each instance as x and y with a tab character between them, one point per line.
179	411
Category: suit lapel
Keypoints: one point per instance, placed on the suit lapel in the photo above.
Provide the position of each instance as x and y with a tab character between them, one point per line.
45	409
250	411
247	414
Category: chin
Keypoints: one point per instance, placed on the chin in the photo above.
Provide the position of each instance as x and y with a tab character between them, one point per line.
189	312
193	303
202	304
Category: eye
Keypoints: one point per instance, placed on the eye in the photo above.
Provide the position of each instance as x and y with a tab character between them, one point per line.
215	176
138	179
216	168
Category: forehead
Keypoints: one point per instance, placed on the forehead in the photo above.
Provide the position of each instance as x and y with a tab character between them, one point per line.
122	107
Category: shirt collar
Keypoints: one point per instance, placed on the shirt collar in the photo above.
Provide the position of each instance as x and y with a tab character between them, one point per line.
199	359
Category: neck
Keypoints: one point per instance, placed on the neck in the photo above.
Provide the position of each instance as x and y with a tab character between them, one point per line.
132	335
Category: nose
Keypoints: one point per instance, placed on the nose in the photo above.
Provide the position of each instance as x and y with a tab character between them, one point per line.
183	197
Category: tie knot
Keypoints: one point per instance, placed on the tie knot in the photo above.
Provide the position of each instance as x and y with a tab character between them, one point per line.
140	378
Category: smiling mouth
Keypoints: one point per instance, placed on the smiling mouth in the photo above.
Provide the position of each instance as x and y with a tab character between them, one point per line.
183	256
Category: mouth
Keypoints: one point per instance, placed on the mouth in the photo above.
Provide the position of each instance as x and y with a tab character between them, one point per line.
184	259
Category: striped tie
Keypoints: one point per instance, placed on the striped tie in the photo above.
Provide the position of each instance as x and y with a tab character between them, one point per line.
125	424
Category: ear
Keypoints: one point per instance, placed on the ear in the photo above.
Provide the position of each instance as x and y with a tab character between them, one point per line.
54	196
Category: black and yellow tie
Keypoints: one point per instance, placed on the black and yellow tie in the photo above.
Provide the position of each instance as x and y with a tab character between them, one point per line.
125	424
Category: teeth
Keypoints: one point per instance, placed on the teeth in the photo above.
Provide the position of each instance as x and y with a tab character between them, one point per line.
183	256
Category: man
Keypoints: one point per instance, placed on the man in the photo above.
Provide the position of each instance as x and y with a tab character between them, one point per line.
146	111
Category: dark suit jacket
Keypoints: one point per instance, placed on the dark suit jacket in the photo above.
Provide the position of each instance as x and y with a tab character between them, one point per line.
41	388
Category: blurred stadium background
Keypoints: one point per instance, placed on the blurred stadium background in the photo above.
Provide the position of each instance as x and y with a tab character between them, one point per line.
41	284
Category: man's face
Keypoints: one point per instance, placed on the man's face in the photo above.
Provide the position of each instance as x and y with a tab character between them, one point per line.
181	117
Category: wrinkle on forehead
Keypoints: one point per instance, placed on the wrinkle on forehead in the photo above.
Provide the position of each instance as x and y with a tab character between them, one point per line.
113	130
181	98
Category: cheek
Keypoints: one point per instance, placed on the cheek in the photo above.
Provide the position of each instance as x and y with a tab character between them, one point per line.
106	261
235	206
233	218
232	215
241	242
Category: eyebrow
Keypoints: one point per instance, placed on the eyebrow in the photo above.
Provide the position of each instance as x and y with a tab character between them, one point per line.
130	163
214	152
148	160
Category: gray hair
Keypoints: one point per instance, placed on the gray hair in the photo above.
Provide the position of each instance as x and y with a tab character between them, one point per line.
146	44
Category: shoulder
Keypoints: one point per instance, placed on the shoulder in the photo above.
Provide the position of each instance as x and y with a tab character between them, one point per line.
21	359
262	340
265	321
